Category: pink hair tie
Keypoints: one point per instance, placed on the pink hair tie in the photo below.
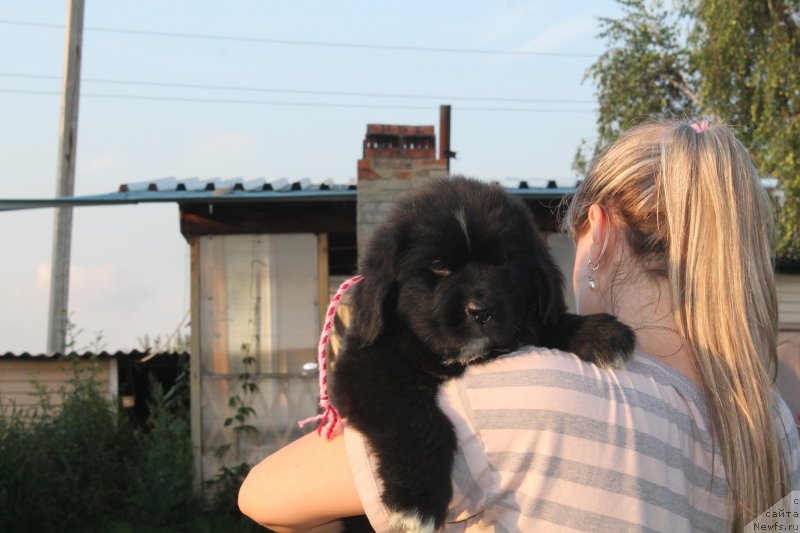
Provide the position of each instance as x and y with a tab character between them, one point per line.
699	128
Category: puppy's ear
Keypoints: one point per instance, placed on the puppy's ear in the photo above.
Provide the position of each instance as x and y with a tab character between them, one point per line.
374	296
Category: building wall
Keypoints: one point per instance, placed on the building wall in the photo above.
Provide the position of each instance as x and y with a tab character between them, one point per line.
788	287
22	381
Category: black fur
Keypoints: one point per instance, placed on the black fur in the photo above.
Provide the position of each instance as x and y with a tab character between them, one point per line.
458	274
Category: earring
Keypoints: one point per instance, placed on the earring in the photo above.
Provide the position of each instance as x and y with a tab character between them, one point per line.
592	283
592	269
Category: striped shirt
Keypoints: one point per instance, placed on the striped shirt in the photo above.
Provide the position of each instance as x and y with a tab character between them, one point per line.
548	442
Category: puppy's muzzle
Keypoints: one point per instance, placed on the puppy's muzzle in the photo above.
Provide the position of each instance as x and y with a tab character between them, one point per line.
478	312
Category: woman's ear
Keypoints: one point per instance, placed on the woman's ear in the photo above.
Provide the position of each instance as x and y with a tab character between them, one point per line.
600	228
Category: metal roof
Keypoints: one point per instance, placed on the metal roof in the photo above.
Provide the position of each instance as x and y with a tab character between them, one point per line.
238	190
263	190
133	354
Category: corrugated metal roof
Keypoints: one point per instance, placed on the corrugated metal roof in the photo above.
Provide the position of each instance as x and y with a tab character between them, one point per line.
234	185
238	190
133	354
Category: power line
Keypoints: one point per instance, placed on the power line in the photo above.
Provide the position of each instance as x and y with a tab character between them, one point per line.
306	43
294	104
303	91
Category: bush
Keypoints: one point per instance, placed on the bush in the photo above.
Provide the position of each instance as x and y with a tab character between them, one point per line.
63	466
17	472
160	489
86	467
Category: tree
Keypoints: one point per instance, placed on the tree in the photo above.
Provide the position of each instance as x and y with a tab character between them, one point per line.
646	71
738	60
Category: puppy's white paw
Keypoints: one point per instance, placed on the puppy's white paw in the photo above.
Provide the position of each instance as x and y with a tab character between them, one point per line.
411	523
619	359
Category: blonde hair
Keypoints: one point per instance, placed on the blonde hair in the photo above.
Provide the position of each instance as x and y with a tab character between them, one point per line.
692	209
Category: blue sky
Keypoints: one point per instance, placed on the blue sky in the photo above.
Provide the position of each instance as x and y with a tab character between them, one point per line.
130	264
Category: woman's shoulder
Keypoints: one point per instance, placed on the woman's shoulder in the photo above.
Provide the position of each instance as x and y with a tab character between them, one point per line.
544	380
515	367
536	365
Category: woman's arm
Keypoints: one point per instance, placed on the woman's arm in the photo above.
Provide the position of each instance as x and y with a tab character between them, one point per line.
305	485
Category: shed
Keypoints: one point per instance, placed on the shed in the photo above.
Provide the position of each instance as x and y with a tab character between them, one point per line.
25	377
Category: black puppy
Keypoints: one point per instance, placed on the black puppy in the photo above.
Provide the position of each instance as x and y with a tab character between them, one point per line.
457	274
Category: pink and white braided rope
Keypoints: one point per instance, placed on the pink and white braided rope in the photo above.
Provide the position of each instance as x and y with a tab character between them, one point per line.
329	418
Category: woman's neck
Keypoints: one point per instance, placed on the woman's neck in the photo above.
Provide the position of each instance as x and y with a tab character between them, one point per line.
646	306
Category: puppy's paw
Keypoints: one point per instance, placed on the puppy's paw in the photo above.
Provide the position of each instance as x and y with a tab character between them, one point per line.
411	522
603	340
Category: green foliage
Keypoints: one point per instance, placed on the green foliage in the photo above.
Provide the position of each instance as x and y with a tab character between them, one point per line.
73	334
225	484
200	522
160	481
85	466
19	476
645	72
82	436
748	53
59	467
177	342
735	60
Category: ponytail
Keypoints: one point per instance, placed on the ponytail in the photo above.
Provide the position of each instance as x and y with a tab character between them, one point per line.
694	211
721	276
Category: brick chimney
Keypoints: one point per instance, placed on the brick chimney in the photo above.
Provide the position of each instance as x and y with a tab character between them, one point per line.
397	160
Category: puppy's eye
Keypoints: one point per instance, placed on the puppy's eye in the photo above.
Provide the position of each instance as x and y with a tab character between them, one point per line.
440	269
502	260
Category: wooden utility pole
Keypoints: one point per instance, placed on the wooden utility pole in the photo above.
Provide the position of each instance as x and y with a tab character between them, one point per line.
65	181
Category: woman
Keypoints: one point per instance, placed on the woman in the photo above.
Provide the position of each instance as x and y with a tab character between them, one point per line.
672	229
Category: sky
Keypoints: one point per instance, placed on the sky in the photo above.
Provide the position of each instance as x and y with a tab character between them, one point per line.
280	97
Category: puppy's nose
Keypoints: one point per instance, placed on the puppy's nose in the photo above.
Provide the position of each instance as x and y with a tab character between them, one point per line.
478	312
